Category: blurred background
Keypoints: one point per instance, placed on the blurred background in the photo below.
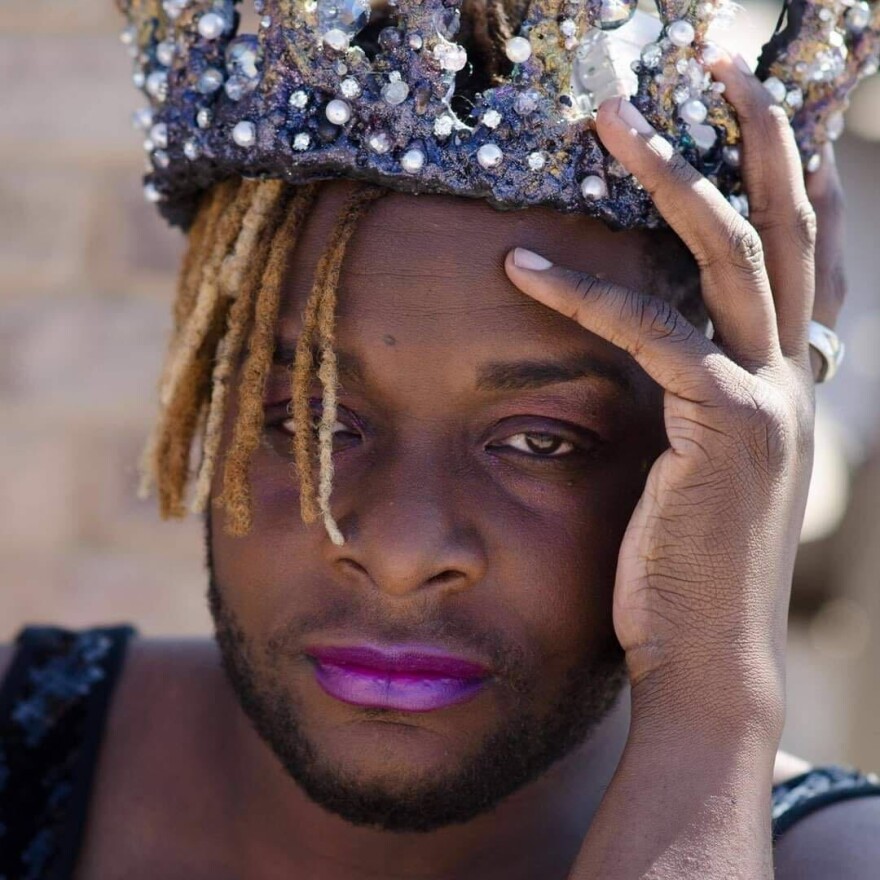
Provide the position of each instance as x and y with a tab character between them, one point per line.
86	278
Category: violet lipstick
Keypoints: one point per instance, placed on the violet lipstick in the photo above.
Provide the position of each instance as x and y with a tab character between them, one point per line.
408	679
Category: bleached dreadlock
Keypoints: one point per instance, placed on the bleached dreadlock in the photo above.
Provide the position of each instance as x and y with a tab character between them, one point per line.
227	304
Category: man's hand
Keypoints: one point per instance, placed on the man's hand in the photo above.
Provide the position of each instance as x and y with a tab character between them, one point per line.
704	571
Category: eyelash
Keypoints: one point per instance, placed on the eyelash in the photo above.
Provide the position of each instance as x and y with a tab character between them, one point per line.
317	409
570	448
530	437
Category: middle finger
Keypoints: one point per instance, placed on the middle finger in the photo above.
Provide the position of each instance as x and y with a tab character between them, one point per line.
727	248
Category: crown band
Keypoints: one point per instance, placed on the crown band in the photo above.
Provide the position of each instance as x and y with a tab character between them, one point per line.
304	100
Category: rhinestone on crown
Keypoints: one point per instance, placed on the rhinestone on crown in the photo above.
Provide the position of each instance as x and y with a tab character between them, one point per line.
302	99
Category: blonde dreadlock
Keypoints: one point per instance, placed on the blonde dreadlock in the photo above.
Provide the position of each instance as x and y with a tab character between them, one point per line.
228	299
227	302
319	317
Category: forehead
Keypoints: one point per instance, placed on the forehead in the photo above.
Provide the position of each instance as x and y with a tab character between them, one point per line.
428	270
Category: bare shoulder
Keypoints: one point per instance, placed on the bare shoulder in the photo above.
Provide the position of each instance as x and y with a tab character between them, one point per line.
166	685
841	840
162	745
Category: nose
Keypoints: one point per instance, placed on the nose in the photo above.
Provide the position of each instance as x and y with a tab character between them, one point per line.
408	528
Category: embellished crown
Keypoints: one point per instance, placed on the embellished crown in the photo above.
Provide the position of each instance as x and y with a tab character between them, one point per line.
350	88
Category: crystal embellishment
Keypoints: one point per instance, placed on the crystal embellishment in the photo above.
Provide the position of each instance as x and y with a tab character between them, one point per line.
244	133
242	60
377	92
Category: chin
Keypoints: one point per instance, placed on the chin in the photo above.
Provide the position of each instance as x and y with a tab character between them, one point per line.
378	745
413	770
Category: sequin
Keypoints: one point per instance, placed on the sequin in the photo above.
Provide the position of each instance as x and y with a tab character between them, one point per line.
681	33
593	187
338	112
211	25
413	160
518	49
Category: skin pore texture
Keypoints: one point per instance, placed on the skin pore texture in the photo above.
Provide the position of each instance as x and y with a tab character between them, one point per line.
456	537
489	452
447	376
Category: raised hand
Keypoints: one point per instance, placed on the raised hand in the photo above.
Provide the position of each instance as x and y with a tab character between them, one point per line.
704	571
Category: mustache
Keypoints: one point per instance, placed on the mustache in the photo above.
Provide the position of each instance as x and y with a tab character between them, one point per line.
438	623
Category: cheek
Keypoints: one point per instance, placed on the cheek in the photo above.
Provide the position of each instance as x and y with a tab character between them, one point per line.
256	570
555	557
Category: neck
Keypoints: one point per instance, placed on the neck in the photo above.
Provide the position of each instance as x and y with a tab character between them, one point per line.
537	831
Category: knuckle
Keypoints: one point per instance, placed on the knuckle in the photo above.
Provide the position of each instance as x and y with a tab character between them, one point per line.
837	286
657	318
768	428
680	169
755	109
745	249
805	225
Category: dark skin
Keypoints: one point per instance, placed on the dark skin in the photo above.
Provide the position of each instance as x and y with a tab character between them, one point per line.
444	503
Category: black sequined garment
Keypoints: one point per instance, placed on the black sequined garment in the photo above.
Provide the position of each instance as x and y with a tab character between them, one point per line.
53	705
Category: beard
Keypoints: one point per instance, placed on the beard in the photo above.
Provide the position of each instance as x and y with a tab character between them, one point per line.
518	753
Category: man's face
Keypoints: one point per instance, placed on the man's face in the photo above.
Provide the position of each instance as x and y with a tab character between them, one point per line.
488	455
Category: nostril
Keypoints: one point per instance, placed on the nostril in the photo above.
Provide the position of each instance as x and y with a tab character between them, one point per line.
444	578
353	567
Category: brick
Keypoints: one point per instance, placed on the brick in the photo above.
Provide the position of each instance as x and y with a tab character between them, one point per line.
109	515
159	595
130	247
57	17
43	215
83	359
82	588
36	487
73	105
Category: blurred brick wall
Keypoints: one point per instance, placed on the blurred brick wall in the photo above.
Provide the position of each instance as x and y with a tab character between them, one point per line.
86	277
86	274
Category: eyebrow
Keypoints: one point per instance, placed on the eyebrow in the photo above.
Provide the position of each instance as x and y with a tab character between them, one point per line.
524	375
347	365
493	376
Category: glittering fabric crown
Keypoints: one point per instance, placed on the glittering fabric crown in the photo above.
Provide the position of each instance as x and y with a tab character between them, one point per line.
350	88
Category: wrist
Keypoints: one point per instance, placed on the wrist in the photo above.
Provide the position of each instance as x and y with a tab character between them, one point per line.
692	706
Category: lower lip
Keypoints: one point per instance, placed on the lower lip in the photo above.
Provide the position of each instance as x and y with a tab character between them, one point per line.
381	689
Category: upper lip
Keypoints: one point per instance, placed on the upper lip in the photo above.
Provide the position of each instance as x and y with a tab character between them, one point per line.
401	659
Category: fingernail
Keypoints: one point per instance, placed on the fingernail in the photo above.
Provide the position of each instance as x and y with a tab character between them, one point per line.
524	259
711	53
631	116
742	64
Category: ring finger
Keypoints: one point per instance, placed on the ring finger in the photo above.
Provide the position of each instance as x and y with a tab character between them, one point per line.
778	205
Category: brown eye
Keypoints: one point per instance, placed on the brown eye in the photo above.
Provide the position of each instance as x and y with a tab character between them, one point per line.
543	445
